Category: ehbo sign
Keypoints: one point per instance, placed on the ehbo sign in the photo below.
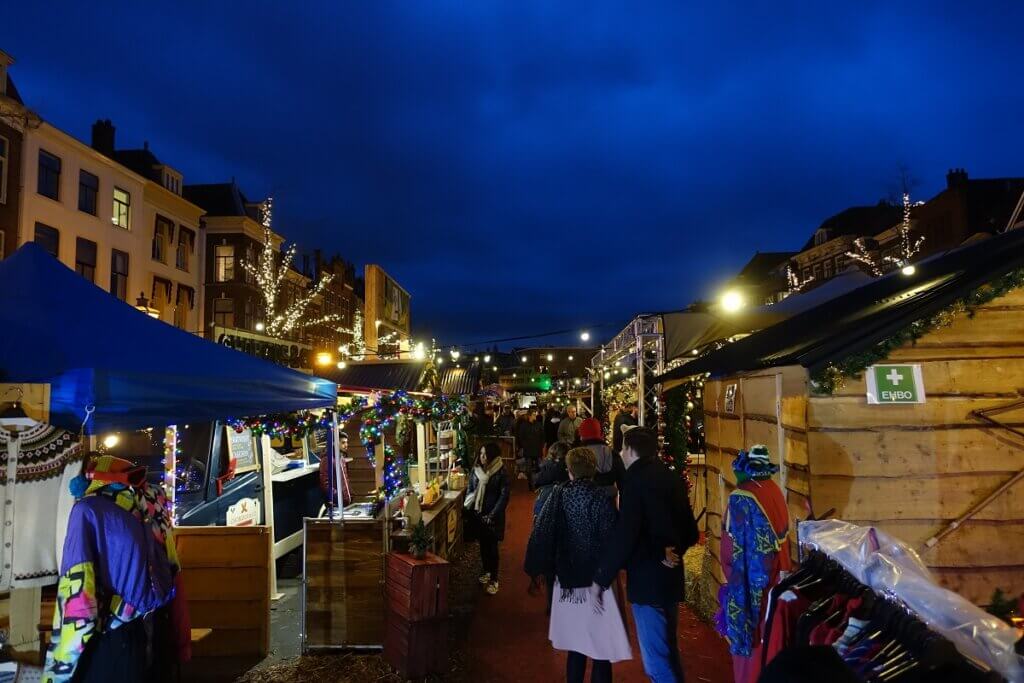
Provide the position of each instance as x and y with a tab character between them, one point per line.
895	384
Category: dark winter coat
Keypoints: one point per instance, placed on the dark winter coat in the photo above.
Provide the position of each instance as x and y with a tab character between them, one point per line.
655	514
506	424
552	473
530	439
551	422
569	534
495	500
609	466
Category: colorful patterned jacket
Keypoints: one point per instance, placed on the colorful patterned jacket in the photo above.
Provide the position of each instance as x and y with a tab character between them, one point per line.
119	564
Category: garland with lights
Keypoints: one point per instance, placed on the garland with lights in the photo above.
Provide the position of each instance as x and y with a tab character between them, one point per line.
683	428
834	375
279	426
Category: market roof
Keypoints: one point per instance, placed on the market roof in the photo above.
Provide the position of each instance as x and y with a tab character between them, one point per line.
219	199
92	348
459	381
404	375
762	263
866	315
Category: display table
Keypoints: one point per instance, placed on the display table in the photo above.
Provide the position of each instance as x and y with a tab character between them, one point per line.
297	495
444	524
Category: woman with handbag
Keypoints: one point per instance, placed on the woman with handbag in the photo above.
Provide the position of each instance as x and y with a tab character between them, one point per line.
486	500
566	542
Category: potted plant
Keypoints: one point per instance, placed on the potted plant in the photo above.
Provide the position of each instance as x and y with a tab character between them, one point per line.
419	541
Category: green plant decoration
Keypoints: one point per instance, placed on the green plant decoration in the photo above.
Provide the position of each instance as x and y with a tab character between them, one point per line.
419	541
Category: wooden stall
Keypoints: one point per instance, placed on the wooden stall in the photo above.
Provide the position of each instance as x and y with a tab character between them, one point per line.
943	474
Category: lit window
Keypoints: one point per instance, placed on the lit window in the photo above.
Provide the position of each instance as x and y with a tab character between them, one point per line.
4	152
122	208
161	295
119	274
48	179
828	268
225	263
88	190
182	306
48	238
85	258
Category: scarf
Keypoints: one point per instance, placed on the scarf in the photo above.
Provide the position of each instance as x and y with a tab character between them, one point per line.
482	477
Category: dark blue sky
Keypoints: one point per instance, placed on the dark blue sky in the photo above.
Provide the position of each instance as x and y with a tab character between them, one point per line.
528	166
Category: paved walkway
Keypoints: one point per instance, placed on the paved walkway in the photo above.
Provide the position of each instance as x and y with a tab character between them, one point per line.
508	635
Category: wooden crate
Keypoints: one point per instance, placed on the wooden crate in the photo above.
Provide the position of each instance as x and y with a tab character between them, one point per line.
417	648
417	589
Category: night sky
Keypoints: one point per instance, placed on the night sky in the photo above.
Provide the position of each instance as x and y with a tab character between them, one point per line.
529	166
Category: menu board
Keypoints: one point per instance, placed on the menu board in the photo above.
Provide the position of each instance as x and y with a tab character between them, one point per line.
316	445
242	449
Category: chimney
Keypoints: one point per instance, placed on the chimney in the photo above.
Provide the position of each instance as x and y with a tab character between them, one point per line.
956	177
103	137
5	62
305	265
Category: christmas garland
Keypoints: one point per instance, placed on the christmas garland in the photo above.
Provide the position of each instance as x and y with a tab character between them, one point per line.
834	375
279	426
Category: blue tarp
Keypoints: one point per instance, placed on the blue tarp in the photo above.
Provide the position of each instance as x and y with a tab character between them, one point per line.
92	348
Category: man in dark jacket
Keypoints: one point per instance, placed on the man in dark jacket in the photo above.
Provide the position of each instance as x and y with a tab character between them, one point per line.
625	417
655	524
530	442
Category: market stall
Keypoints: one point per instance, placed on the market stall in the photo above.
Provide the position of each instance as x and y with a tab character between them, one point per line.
118	373
410	454
895	404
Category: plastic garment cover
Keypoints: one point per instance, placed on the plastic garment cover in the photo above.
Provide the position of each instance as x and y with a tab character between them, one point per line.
894	569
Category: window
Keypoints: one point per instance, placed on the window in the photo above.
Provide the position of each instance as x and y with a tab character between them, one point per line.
182	306
163	231
250	257
85	259
805	273
840	262
827	265
160	297
250	315
4	152
224	312
225	263
186	241
122	207
821	236
48	238
88	191
119	274
48	182
817	271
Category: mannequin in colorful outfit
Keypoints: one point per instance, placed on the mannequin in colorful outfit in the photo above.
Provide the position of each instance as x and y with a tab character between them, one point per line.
755	550
113	620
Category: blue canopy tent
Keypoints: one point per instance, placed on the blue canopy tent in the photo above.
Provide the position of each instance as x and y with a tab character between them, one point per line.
93	349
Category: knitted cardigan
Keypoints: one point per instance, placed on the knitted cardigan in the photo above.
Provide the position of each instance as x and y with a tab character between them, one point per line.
568	535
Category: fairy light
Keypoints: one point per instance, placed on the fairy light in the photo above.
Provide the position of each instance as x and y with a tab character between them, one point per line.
168	476
270	276
907	246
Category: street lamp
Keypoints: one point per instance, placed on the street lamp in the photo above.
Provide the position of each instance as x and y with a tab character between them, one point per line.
523	359
550	357
908	270
487	359
324	358
585	336
260	327
732	301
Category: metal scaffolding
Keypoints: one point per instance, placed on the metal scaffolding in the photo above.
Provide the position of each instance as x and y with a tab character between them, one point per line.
639	347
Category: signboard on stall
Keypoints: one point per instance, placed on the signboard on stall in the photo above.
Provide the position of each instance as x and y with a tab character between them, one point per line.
242	449
730	398
895	384
316	445
246	512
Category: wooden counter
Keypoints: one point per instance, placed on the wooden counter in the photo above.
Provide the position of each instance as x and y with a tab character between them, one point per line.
443	522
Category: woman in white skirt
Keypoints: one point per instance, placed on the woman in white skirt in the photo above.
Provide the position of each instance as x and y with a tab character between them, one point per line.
566	542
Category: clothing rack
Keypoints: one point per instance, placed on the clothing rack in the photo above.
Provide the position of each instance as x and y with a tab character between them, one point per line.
895	645
902	600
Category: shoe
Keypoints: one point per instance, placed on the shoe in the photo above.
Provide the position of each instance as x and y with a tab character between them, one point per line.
484	579
492	588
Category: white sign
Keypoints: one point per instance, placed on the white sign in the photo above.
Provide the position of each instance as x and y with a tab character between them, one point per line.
899	384
246	512
730	398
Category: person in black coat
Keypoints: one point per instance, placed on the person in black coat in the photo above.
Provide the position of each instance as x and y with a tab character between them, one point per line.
530	442
625	417
654	529
486	500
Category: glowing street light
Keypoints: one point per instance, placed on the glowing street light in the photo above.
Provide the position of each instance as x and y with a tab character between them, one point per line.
419	352
732	301
260	327
455	354
570	357
908	270
585	336
342	365
111	440
550	357
324	358
487	359
523	359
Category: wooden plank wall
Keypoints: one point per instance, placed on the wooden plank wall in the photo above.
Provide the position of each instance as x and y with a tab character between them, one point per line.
910	470
770	409
226	571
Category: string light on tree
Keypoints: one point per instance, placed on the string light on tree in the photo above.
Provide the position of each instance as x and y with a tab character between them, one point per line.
282	317
793	281
907	248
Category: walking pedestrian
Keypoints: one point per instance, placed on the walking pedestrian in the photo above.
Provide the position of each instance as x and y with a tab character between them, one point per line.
625	417
530	442
486	500
566	543
506	422
568	426
326	474
609	465
654	529
552	472
552	418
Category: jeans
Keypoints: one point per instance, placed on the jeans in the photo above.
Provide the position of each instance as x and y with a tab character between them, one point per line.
489	551
656	630
576	669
